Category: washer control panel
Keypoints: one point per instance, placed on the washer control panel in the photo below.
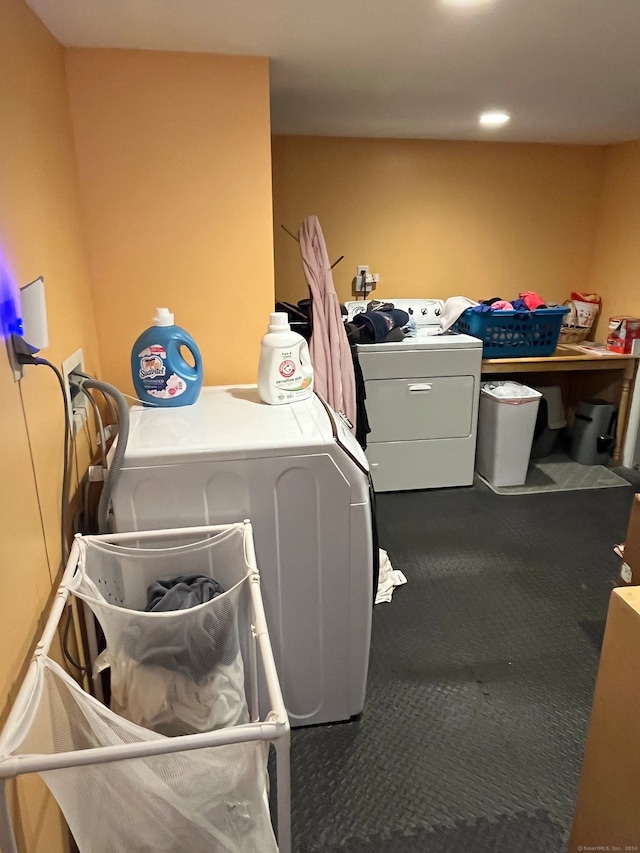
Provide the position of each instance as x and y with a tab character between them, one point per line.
426	312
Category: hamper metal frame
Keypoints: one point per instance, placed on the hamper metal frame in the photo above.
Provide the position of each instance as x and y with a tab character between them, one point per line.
273	729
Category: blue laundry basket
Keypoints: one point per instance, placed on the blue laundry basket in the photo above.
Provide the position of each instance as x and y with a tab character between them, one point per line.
513	334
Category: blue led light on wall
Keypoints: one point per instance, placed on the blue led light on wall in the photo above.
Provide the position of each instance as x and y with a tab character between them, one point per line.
10	319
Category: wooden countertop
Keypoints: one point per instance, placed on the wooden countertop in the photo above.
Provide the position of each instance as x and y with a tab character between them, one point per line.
566	357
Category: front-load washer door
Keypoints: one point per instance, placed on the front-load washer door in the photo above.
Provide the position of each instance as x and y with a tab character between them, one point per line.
427	408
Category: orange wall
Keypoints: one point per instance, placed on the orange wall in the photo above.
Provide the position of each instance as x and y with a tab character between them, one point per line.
440	218
616	265
40	234
174	160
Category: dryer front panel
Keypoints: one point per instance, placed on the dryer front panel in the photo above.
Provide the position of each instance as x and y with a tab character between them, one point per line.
427	408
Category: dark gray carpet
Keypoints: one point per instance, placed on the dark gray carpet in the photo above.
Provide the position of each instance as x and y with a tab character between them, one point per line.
480	683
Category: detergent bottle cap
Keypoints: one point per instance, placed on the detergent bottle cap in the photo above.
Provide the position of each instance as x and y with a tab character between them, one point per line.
163	317
279	322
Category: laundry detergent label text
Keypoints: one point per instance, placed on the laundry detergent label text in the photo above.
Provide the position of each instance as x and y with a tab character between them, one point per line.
152	361
153	372
291	376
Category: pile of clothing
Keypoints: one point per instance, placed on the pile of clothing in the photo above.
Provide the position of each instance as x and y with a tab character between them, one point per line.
527	301
455	306
380	322
186	676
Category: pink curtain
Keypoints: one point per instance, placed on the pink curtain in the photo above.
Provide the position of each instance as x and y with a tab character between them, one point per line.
333	374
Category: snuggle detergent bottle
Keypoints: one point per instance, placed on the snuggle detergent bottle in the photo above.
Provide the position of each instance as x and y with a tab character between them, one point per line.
285	373
161	376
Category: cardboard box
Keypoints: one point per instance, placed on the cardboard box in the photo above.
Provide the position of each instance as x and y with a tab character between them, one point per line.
630	569
623	331
607	816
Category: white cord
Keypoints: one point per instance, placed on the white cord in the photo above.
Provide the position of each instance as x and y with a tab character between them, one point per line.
137	400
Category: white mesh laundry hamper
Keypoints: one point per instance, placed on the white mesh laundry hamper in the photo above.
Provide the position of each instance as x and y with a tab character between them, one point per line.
122	786
176	672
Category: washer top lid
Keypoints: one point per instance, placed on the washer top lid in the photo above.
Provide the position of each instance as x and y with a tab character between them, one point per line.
225	422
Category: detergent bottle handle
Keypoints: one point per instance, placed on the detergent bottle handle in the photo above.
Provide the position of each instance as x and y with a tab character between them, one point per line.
191	371
305	359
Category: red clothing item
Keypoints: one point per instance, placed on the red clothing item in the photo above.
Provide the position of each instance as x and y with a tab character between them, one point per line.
532	300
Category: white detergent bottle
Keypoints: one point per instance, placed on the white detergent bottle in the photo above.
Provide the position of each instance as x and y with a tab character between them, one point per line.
285	373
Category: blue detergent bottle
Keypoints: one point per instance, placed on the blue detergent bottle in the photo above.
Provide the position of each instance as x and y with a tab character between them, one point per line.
161	376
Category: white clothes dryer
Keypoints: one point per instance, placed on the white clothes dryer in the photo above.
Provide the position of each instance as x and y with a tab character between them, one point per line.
422	402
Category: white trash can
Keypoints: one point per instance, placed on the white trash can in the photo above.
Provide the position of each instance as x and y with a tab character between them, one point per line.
506	422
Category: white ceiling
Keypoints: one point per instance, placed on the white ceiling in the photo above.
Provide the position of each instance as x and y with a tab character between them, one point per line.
567	70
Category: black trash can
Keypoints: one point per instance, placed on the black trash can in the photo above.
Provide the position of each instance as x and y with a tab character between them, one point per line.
594	432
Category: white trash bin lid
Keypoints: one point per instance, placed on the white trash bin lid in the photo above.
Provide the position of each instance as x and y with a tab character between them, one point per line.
509	392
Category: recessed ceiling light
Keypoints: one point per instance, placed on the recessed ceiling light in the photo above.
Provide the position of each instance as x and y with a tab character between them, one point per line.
465	4
494	118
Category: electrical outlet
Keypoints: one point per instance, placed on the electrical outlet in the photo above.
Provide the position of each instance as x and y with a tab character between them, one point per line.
76	399
359	283
364	282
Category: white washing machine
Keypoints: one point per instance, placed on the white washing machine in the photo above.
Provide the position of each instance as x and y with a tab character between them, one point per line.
301	478
422	402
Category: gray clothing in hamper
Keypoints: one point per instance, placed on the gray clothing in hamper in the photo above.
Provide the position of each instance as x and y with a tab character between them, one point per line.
207	643
181	592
